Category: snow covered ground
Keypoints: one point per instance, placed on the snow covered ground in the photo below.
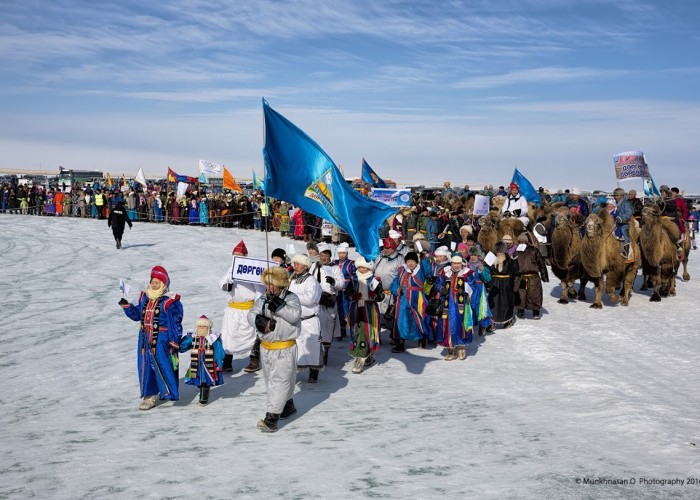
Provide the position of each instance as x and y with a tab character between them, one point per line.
538	411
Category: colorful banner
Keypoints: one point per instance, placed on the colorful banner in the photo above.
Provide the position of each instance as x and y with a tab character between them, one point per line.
392	197
630	165
209	168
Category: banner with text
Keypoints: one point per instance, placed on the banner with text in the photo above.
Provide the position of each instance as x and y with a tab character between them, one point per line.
249	270
630	165
392	197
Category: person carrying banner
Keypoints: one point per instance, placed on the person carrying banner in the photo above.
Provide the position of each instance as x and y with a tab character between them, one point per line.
332	282
515	205
304	286
159	339
237	335
276	317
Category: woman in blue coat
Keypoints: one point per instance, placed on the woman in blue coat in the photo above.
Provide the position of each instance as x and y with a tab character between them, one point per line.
407	288
159	339
454	324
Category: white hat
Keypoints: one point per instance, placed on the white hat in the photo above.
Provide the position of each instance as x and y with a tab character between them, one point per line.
468	227
343	247
324	246
361	262
443	250
418	236
394	234
457	258
302	258
576	191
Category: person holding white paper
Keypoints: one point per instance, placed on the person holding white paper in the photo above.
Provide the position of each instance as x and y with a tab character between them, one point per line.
532	271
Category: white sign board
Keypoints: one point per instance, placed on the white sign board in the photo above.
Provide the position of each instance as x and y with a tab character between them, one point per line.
249	270
481	204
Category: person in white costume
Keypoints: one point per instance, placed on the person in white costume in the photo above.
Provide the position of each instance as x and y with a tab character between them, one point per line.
237	336
276	318
516	205
304	286
332	282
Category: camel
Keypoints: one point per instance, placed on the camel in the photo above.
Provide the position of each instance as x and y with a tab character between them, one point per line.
601	259
493	227
660	263
566	253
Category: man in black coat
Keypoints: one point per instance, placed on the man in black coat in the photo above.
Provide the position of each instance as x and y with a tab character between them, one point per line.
118	218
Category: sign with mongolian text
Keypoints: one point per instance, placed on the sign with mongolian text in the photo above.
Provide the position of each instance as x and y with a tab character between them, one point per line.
249	270
630	165
392	197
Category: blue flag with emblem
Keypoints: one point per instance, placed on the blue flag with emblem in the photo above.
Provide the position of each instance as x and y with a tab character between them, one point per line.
257	183
526	189
370	176
298	171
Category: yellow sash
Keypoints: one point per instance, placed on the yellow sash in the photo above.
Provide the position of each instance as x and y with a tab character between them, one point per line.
241	305
277	345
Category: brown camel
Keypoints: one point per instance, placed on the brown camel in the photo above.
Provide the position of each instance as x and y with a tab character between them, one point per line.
566	253
601	259
657	239
493	228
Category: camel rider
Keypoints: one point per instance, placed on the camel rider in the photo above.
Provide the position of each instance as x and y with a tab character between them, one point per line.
624	214
669	211
515	205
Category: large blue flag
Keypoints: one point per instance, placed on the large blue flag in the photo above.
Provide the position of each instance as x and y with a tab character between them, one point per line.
298	171
370	176
526	189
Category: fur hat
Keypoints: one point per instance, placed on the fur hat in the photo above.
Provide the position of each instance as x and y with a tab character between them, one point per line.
361	262
301	258
394	234
468	228
276	276
203	321
409	256
343	247
619	191
475	250
161	274
457	258
279	252
632	193
500	247
240	249
443	250
418	236
421	245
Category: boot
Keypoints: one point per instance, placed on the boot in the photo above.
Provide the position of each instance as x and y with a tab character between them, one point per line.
400	346
269	423
326	349
313	375
289	410
359	365
521	313
228	363
343	333
451	356
148	402
462	352
369	360
253	365
536	314
203	395
422	343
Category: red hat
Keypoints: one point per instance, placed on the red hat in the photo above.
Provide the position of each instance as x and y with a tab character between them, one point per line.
514	185
389	243
160	273
240	248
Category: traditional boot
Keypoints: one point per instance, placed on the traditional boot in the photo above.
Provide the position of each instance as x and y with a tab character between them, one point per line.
536	314
228	363
369	360
462	352
326	349
289	410
359	365
313	375
451	356
400	345
269	423
203	395
422	343
521	313
148	402
253	365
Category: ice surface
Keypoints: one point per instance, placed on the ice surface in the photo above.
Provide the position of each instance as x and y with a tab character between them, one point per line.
582	393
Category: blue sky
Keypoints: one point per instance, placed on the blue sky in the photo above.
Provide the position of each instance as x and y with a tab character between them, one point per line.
425	91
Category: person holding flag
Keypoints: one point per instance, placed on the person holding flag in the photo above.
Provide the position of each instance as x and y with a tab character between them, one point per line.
515	205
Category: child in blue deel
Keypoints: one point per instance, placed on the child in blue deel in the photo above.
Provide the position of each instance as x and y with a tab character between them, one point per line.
206	358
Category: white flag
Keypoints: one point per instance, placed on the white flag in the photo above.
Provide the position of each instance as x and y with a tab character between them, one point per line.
181	189
209	168
124	287
290	249
140	178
